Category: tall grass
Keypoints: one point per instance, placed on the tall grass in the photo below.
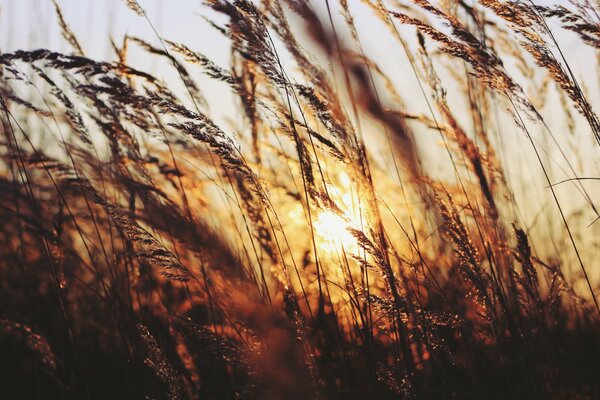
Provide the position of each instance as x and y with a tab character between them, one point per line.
341	237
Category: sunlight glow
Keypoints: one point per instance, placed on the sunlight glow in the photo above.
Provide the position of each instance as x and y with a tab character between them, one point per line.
333	232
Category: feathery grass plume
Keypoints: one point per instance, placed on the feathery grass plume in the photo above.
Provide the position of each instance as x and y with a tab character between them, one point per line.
185	76
469	264
528	281
529	24
148	248
486	65
224	147
157	361
224	349
34	342
254	43
524	257
372	65
467	146
251	36
135	7
8	94
71	111
249	82
581	21
210	68
67	33
313	72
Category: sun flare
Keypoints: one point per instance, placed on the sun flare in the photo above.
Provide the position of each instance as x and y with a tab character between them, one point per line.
332	230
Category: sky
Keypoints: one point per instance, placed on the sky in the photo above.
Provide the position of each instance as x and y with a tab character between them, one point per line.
32	24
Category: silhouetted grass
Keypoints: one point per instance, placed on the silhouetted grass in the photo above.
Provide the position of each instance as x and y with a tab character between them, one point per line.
149	251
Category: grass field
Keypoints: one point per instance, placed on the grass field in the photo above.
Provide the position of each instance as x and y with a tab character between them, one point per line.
371	199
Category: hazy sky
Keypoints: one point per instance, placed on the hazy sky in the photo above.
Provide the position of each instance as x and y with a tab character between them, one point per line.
31	24
26	24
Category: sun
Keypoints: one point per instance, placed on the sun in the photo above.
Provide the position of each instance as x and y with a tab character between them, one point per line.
333	233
